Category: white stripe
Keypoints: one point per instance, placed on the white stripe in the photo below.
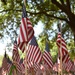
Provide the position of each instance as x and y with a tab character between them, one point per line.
48	57
23	29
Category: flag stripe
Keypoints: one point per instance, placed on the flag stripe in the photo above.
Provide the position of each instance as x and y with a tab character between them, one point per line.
47	59
61	43
34	54
26	31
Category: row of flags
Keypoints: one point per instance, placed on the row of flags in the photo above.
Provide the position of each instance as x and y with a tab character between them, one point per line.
34	57
37	62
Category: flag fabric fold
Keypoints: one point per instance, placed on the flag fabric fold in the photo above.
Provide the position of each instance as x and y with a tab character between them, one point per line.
15	56
63	52
9	64
34	54
61	43
26	31
69	65
5	63
47	56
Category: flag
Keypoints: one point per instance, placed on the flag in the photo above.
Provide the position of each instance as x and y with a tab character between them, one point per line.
4	62
34	54
18	66
4	72
22	65
15	56
36	67
55	67
62	46
47	56
9	64
26	31
73	68
69	65
66	62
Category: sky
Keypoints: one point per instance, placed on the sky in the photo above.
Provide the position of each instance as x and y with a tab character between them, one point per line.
37	29
2	48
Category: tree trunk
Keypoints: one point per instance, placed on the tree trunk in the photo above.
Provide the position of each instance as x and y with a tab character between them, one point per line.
72	22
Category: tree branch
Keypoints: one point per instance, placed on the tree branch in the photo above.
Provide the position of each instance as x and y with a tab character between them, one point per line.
9	10
31	13
64	19
43	12
62	1
65	8
68	5
62	7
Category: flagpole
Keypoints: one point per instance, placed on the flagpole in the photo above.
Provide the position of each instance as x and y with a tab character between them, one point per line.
14	70
58	60
60	50
24	2
61	58
58	66
25	62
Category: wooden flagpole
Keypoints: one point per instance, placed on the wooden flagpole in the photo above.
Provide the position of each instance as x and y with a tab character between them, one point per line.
58	66
24	2
61	58
14	70
61	51
25	61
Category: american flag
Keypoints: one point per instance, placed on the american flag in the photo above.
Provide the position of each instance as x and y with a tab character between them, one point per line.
36	66
34	54
47	56
9	64
5	63
26	31
22	65
4	72
18	66
73	68
61	43
62	48
69	65
15	56
64	66
55	67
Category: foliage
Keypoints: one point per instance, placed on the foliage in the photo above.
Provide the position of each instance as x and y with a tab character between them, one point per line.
49	12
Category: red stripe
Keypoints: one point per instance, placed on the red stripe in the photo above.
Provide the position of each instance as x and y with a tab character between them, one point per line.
61	41
47	59
28	30
34	55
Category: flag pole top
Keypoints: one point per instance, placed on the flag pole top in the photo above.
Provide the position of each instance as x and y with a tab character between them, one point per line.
24	2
